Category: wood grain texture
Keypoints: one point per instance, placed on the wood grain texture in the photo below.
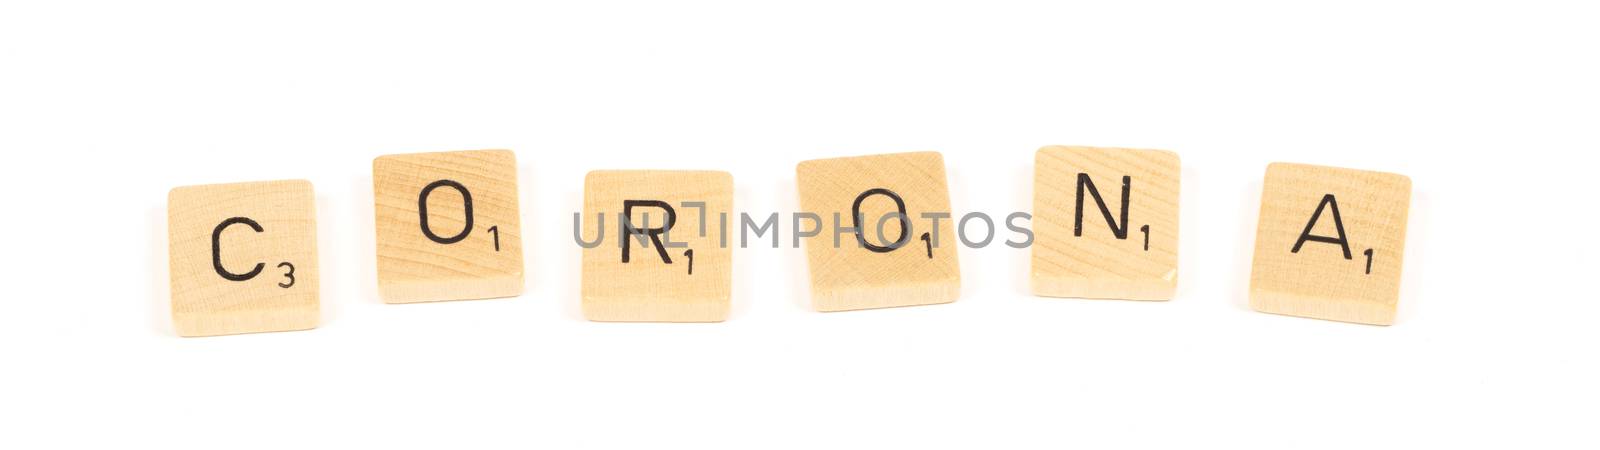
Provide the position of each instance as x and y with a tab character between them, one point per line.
458	262
1094	257
1322	279
281	296
678	286
848	276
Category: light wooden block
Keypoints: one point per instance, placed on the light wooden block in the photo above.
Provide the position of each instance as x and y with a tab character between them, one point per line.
243	257
681	273
448	226
1330	243
1105	223
847	274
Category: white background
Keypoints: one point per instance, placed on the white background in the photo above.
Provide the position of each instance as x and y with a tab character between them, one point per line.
1490	108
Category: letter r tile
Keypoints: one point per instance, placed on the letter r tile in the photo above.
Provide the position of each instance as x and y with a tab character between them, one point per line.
657	245
1329	243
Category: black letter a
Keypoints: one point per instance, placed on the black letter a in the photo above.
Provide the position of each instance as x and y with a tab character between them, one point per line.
1338	224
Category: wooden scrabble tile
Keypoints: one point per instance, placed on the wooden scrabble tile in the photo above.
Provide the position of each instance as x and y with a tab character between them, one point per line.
243	257
1105	223
448	226
669	260
1329	243
899	258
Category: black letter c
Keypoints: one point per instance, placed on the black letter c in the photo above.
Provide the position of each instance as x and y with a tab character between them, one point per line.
216	249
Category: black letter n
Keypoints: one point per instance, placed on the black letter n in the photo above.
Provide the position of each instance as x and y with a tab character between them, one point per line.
1118	229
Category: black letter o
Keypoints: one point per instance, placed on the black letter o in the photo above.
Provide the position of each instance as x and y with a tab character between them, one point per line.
900	207
422	210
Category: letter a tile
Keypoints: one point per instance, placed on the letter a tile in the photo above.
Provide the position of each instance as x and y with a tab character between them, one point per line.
1329	243
448	226
656	246
243	257
1105	223
898	257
